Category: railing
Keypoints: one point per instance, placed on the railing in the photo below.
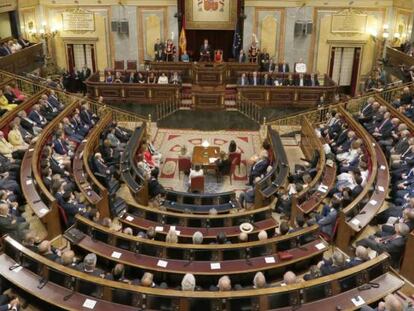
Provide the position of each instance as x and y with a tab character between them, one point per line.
168	106
249	109
389	95
30	87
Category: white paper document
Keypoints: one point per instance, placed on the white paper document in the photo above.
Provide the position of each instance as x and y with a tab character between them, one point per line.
358	301
129	218
320	246
215	266
89	303
159	229
162	263
116	255
270	259
355	222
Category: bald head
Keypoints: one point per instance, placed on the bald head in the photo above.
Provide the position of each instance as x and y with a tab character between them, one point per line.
224	283
259	280
361	252
44	247
289	278
188	283
67	257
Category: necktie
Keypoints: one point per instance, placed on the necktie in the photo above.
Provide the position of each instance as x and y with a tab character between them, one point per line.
383	123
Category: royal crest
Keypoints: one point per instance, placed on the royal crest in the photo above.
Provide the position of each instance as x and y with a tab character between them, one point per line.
210	5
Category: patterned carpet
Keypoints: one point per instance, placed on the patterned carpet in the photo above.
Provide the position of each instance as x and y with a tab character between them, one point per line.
169	143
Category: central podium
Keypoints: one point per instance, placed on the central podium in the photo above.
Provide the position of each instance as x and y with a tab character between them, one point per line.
208	89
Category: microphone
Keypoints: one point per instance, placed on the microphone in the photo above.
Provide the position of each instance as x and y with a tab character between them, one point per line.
42	283
15	266
247	256
68	296
190	258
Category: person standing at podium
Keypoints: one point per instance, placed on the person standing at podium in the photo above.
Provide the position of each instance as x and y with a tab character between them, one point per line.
205	52
158	50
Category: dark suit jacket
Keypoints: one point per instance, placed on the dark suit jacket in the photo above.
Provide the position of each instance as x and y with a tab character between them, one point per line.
38	118
280	67
259	167
258	81
241	59
154	188
60	146
86	117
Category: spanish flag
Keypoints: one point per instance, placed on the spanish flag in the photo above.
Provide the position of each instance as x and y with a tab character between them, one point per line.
183	39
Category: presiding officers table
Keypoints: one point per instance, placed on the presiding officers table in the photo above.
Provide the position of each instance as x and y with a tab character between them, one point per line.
205	156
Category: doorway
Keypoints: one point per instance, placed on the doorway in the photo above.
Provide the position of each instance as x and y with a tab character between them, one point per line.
79	55
344	68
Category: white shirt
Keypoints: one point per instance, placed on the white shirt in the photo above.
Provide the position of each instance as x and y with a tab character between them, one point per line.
163	80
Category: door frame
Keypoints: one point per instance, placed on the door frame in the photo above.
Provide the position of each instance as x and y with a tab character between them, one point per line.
87	41
348	44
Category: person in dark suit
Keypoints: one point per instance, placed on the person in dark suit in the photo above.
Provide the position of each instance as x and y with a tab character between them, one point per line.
5	50
333	265
361	255
384	128
255	79
71	207
70	131
284	67
84	74
87	116
36	116
205	52
241	58
243	80
267	80
10	225
247	196
154	187
159	50
89	266
394	244
259	168
101	167
11	98
9	303
327	218
47	109
60	145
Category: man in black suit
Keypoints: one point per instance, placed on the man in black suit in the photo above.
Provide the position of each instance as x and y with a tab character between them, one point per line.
4	50
84	74
10	225
159	50
154	187
241	57
259	168
361	255
243	80
394	244
71	207
383	128
267	80
205	52
36	116
255	79
87	116
89	266
333	265
284	67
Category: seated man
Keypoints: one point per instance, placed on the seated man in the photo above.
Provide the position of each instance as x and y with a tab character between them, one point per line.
361	255
332	265
36	116
393	244
246	198
259	168
154	187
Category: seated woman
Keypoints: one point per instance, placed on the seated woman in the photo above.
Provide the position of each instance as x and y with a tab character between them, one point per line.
4	103
197	171
16	138
17	93
152	78
109	77
223	164
118	77
163	79
141	78
10	96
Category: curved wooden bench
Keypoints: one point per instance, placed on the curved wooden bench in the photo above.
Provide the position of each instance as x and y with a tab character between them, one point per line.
95	193
39	198
219	251
277	177
331	291
304	202
199	220
355	217
173	269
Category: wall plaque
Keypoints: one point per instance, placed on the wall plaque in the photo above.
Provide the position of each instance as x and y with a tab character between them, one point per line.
78	20
7	5
349	21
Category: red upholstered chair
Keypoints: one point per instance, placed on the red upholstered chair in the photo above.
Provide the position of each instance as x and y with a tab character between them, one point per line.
119	65
197	184
235	156
184	165
330	238
132	65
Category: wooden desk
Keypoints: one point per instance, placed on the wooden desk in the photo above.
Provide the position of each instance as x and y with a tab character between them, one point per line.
22	60
208	97
202	155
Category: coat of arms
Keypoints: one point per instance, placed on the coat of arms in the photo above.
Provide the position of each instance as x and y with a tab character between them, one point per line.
211	5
